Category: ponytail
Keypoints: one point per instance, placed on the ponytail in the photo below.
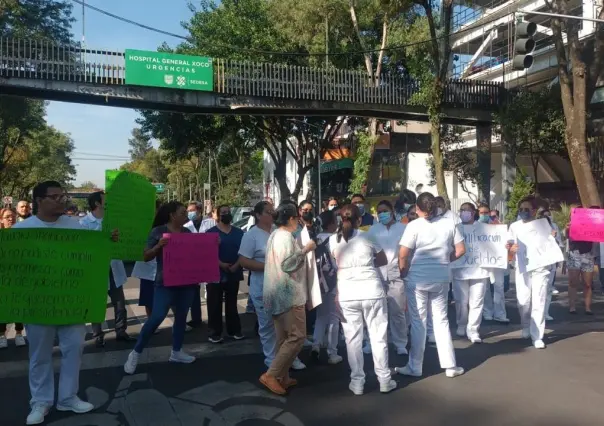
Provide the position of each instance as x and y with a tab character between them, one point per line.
350	215
428	204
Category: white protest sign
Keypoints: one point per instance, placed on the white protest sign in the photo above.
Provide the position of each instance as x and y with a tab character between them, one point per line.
313	285
485	246
536	242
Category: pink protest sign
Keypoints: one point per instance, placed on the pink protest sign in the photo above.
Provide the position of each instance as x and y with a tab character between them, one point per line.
191	259
587	225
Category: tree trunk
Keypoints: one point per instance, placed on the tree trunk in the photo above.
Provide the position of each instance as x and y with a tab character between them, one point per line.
437	156
281	178
535	163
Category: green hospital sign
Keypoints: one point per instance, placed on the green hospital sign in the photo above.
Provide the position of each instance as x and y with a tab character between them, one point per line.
158	69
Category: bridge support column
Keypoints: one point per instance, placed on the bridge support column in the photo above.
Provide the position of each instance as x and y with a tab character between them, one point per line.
508	173
483	156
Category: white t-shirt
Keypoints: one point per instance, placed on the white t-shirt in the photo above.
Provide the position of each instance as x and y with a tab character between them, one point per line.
253	246
358	278
389	239
64	222
431	243
470	273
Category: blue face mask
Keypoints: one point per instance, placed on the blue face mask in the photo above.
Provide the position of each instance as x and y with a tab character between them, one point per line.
524	216
192	215
385	218
361	208
466	216
484	218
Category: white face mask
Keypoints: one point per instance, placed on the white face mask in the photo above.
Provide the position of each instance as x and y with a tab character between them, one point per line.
439	211
331	207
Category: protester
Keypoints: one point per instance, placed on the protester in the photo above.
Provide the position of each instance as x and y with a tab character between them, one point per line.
494	216
580	267
197	224
284	296
49	207
366	218
332	203
389	231
23	210
558	236
327	323
424	256
361	298
8	218
194	214
411	214
469	285
230	276
531	286
405	201
209	222
170	219
93	221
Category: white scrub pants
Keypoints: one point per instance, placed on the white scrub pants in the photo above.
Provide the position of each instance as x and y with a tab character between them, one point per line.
397	322
469	301
419	300
41	373
266	327
327	322
550	287
531	292
375	314
494	304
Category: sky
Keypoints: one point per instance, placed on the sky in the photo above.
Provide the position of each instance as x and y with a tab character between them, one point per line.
99	131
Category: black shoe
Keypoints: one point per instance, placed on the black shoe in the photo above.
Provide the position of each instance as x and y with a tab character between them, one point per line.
100	341
195	324
589	313
215	339
122	336
237	336
315	356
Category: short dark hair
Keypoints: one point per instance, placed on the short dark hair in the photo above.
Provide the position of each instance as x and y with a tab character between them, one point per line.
529	199
484	205
197	204
303	203
41	189
259	208
361	196
387	204
221	206
95	197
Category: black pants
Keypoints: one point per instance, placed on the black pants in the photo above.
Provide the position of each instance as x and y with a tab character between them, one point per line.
216	292
196	306
118	300
18	327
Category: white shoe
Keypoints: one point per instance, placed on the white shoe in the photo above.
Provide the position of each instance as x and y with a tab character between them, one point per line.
131	362
431	338
4	345
555	292
334	359
402	351
37	414
454	372
487	318
358	391
475	338
181	357
388	387
501	320
298	365
549	318
188	328
406	371
461	331
539	344
20	341
367	348
526	333
75	405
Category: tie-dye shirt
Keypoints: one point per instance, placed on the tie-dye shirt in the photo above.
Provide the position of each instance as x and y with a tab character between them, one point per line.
284	273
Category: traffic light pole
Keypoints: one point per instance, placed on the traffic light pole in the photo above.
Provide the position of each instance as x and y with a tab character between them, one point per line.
558	15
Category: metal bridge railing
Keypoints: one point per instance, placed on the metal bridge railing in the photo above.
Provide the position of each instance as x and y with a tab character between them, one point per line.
49	61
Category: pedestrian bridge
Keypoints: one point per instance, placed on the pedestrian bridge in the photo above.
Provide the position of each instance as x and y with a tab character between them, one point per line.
42	69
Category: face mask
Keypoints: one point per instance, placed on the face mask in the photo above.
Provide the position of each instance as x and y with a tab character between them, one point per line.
361	208
466	216
524	216
191	215
226	218
439	211
484	218
406	207
331	207
385	218
307	216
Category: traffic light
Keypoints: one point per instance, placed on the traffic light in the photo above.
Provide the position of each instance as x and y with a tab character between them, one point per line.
524	45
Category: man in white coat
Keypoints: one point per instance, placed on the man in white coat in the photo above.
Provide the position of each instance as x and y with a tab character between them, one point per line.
93	221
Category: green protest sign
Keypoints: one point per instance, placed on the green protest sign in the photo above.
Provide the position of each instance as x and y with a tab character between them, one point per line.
129	208
53	276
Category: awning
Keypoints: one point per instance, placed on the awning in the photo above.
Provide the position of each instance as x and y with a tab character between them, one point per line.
331	166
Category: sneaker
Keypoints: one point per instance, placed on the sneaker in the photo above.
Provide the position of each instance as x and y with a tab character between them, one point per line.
402	351
37	414
454	372
99	341
501	320
367	348
526	333
181	357
461	331
388	386
406	371
431	338
20	340
237	336
549	318
487	318
75	405
215	339
334	359
475	338
298	365
4	345
357	390
555	292
131	362
539	344
272	384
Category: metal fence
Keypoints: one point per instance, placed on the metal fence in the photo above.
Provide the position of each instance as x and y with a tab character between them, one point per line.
49	61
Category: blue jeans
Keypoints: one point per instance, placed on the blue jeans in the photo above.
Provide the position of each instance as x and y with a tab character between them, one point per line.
179	298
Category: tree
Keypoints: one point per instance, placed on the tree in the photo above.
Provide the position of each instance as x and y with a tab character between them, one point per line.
533	124
36	19
522	187
140	145
88	185
580	65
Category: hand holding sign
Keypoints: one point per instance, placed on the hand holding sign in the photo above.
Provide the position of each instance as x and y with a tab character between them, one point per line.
485	247
587	225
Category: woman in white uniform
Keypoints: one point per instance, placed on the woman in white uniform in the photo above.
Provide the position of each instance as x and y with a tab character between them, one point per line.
388	231
361	298
424	257
469	286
